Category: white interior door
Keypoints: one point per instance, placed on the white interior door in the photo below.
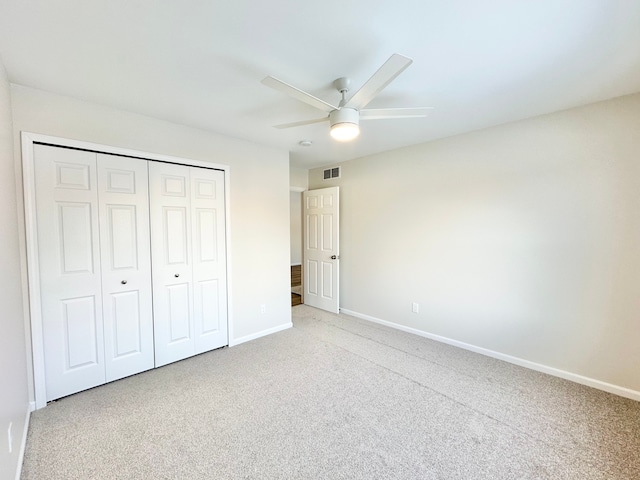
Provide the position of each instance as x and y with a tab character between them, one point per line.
126	265
321	248
169	193
69	264
209	258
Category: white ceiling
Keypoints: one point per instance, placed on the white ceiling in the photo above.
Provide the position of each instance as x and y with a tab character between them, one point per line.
199	63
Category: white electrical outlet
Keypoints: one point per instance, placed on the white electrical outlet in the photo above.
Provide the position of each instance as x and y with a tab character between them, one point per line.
10	437
263	308
415	307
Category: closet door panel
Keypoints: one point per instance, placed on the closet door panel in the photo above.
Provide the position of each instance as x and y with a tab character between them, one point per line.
127	331
209	258
126	265
80	332
169	189
179	299
69	263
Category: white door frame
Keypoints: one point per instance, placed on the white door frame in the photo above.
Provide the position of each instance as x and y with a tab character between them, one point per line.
33	267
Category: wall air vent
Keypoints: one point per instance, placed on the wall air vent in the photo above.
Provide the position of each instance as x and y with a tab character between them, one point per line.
330	173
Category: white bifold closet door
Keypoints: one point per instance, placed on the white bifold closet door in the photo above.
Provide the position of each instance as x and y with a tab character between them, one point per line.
94	257
123	194
189	260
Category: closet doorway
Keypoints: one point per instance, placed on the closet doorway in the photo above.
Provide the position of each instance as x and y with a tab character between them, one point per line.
87	223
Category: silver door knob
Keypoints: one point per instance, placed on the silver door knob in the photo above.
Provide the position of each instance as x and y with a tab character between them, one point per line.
124	282
177	275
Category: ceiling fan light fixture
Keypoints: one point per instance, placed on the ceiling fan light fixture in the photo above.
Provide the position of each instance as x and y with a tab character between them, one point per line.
343	132
344	124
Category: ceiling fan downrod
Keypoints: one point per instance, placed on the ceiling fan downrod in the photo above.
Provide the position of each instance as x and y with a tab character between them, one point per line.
342	85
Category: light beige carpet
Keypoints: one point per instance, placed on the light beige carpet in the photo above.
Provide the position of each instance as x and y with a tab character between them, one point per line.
337	398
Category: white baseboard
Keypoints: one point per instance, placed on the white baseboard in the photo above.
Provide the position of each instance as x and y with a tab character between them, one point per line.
263	333
590	382
23	440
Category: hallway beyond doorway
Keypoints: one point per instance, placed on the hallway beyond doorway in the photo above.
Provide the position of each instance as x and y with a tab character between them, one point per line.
296	281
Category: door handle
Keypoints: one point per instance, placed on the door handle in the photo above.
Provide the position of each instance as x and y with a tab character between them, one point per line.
177	275
124	282
333	257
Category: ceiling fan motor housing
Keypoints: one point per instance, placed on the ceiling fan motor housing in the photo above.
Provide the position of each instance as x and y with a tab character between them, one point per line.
344	115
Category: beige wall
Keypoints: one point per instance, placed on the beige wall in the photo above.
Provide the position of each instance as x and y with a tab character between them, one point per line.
523	239
299	177
298	181
259	223
14	400
295	232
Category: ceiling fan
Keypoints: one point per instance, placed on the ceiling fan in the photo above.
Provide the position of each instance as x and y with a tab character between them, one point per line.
345	117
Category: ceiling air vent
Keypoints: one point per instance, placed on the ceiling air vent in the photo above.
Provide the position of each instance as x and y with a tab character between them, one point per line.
330	173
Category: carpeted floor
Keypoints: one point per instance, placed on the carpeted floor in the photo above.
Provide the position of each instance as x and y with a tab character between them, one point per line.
337	398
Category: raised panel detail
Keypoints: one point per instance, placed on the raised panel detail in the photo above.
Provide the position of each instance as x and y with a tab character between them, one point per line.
178	312
175	231
174	186
327	201
122	236
79	317
121	181
312	276
312	202
327	232
76	253
126	323
70	175
206	234
205	189
312	232
327	284
210	306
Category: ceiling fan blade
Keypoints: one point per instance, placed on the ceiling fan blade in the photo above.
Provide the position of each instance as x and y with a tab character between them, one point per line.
382	113
298	94
303	122
384	76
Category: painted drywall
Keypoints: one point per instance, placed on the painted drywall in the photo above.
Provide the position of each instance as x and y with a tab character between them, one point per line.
14	399
259	203
299	178
295	208
298	182
522	239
